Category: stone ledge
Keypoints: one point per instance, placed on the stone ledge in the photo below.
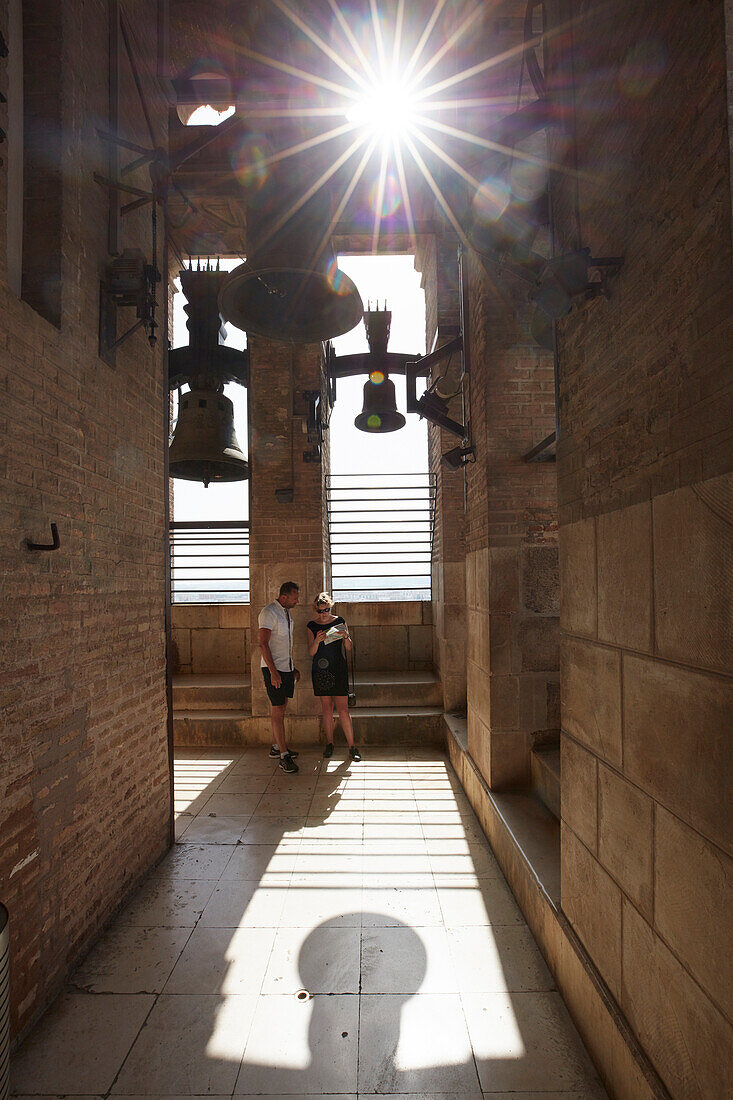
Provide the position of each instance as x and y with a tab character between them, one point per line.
525	839
545	771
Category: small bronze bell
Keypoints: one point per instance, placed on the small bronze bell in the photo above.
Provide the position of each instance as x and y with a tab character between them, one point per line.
379	413
204	446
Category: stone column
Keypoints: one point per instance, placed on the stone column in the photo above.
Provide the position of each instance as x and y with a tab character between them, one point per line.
286	508
511	535
437	260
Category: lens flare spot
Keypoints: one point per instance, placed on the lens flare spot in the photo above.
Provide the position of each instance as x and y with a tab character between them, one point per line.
491	200
387	202
336	278
643	68
374	421
249	161
377	377
207	68
528	180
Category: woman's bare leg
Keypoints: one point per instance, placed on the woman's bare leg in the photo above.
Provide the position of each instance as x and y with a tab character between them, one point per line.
342	708
327	716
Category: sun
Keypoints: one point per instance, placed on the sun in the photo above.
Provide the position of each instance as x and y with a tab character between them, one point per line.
385	111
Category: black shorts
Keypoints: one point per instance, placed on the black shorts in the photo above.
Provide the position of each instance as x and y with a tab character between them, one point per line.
279	696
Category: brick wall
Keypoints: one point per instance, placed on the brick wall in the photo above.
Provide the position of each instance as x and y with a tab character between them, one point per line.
437	261
286	539
84	796
511	534
646	506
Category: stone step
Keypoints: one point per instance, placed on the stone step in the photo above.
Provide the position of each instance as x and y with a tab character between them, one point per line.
373	689
398	689
545	769
211	727
397	725
221	693
372	726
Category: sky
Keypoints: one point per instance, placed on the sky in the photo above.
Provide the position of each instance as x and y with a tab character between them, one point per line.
378	278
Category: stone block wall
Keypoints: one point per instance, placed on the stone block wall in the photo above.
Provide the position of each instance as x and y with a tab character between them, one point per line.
84	780
210	638
513	657
646	509
647	874
391	635
216	639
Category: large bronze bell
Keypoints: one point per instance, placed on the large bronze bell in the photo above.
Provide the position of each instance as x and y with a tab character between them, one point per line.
267	296
379	413
290	288
205	447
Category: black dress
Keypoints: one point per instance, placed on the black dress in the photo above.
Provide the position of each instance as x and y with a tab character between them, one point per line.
330	673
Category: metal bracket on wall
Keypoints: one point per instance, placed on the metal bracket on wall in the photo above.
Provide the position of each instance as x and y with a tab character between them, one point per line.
540	453
313	425
129	281
46	545
430	406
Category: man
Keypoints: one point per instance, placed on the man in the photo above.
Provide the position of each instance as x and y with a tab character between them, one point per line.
276	646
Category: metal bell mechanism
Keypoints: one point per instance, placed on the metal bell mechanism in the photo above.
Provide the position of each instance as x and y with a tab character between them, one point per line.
204	446
290	289
379	413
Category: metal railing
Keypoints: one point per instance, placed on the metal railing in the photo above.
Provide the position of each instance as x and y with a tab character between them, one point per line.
381	535
210	562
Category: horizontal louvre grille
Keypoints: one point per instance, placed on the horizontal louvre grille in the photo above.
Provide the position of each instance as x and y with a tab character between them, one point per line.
381	535
210	562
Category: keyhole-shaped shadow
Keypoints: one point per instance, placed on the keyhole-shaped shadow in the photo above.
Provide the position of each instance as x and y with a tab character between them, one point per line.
379	1018
346	1036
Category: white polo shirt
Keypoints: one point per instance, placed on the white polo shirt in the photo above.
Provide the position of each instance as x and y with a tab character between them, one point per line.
278	620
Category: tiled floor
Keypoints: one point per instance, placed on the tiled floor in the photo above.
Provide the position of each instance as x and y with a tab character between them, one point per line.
371	887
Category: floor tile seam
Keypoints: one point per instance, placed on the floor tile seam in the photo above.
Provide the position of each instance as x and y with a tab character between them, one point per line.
358	1003
470	1041
139	1032
183	948
244	1046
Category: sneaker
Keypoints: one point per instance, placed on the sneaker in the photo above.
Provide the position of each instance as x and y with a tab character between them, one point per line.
287	763
275	751
354	753
328	751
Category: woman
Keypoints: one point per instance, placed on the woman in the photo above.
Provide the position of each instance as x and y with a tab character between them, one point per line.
328	637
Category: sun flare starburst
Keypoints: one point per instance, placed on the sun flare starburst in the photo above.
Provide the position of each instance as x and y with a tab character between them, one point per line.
387	110
400	108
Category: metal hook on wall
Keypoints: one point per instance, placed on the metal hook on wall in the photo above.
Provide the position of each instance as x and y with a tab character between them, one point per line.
45	545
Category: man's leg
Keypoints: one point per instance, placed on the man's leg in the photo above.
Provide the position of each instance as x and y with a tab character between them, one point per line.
286	756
